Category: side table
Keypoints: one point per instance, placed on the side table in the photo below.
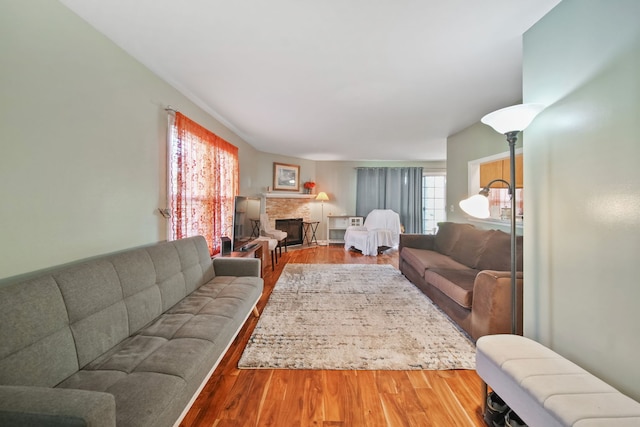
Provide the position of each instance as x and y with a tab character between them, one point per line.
309	229
255	228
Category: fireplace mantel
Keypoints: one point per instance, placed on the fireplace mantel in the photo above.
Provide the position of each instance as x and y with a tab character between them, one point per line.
288	196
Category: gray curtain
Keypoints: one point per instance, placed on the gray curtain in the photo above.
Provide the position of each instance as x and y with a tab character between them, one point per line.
398	189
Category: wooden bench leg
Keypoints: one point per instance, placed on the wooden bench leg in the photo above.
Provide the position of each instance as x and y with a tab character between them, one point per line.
485	393
256	313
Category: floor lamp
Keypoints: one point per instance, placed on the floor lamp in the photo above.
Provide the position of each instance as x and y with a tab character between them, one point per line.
322	196
508	121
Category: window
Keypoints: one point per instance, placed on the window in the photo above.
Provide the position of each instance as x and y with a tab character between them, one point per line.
434	191
203	182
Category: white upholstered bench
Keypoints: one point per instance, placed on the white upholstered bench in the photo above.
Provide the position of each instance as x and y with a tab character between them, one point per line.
547	390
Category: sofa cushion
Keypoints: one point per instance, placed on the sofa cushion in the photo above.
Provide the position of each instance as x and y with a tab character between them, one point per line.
496	254
423	259
195	264
142	396
456	284
169	276
97	312
470	245
36	344
138	280
448	234
126	356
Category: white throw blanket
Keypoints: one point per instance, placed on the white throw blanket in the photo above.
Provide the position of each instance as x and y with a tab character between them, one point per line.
381	228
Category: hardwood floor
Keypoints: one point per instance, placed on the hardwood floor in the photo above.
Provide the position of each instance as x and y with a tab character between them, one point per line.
281	398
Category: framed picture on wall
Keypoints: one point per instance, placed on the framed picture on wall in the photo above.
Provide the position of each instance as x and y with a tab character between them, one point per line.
286	177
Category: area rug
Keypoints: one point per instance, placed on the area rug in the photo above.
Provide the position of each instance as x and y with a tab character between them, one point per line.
356	317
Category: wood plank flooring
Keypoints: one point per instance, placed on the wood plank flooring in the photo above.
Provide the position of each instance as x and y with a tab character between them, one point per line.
281	398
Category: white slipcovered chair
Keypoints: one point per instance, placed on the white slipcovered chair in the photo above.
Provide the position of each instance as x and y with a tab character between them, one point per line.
381	231
268	231
273	245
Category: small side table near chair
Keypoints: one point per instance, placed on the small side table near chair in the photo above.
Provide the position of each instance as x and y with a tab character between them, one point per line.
309	229
255	228
268	231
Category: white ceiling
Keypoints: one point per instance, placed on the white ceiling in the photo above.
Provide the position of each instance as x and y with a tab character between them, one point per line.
331	80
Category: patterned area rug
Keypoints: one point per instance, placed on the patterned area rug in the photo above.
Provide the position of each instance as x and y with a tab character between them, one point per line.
353	316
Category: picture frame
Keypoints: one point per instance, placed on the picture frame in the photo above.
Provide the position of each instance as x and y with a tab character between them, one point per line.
286	177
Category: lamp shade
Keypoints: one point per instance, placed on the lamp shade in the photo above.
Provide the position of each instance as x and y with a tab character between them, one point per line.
322	196
514	118
476	206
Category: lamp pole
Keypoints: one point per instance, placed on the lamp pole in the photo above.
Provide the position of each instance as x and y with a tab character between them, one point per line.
512	137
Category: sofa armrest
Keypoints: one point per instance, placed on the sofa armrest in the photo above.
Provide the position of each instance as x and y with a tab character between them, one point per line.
418	241
226	266
44	406
491	306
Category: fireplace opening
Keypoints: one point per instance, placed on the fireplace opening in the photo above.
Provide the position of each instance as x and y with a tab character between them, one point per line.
293	227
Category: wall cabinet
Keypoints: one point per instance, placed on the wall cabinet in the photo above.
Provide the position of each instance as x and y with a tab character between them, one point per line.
500	169
337	225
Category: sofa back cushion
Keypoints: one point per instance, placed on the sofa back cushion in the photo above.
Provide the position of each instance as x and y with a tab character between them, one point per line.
96	308
181	266
469	246
448	235
141	293
195	262
496	254
36	344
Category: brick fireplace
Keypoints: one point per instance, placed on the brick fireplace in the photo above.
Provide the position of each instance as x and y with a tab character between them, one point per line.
289	207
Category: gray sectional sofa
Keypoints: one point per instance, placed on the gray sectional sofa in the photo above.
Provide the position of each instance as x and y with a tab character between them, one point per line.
127	339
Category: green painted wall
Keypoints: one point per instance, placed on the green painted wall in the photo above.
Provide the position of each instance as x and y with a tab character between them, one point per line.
583	186
83	157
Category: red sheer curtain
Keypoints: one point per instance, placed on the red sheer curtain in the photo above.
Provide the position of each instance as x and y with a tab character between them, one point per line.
204	176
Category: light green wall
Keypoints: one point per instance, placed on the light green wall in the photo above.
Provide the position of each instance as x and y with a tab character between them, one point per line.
583	186
83	158
263	175
473	143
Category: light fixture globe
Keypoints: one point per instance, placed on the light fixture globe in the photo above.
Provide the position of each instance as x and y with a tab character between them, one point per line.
477	206
512	119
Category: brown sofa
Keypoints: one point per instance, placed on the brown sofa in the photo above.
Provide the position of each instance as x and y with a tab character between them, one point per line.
466	272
